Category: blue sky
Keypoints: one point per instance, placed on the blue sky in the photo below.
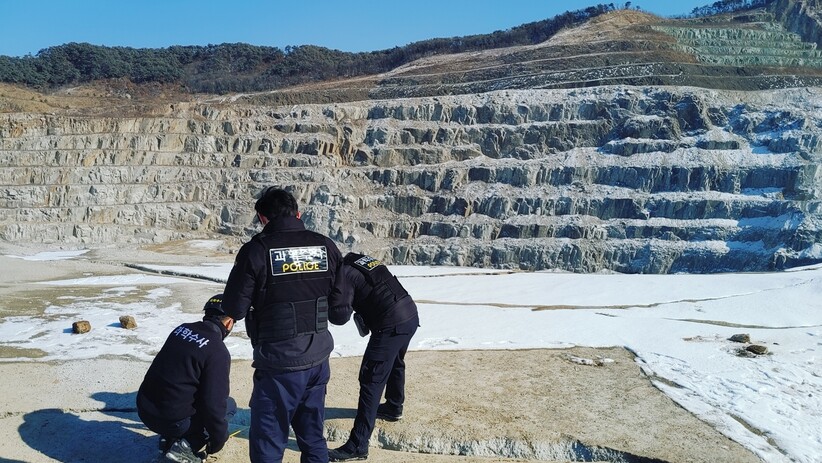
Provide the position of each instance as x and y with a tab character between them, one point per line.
27	27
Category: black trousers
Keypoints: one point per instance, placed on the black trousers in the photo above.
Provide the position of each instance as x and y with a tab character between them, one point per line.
191	428
382	368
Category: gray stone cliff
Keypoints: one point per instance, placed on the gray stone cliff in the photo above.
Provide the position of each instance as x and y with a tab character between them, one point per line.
690	146
628	179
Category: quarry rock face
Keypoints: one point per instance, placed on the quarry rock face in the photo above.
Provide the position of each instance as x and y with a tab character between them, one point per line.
631	143
629	179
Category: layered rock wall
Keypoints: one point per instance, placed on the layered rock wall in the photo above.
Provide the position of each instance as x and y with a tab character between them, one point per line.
609	178
741	46
801	17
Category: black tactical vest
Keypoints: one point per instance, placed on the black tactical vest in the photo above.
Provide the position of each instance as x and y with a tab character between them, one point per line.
375	306
294	300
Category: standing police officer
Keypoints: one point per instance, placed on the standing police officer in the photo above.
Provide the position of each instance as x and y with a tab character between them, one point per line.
283	282
383	307
184	395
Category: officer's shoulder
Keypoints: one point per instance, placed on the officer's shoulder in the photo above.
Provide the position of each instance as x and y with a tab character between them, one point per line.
256	240
324	237
315	233
255	243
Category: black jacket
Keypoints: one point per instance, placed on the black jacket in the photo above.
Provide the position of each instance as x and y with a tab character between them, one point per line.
190	375
379	313
254	284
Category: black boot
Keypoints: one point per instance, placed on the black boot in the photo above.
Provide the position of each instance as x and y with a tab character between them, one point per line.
388	413
343	454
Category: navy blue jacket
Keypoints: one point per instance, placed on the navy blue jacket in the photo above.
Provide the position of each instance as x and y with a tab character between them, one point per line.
190	375
246	288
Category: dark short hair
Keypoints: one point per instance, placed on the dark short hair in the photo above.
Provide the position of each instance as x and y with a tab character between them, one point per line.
276	202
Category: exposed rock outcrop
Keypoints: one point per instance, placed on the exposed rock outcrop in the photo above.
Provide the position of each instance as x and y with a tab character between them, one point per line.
801	17
618	178
485	159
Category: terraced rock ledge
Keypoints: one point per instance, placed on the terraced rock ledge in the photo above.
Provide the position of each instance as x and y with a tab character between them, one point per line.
629	179
691	146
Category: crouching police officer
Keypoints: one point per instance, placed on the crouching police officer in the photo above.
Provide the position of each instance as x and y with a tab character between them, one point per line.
184	395
383	307
283	282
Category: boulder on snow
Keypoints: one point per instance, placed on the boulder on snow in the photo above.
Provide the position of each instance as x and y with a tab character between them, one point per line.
128	322
757	349
80	327
742	337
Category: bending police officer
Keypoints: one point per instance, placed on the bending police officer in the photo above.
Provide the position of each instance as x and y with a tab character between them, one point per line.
383	307
282	283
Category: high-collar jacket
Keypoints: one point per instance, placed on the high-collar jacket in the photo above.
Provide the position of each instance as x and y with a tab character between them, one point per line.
245	289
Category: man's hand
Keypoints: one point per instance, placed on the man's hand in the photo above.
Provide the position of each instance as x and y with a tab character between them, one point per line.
213	447
361	326
339	315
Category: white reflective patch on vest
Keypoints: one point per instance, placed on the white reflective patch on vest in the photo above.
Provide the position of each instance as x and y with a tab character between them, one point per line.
287	261
367	263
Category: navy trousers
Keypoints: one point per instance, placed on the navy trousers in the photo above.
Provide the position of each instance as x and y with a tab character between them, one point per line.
382	368
191	429
295	398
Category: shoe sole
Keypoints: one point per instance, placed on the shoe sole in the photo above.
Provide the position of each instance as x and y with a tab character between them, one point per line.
389	418
177	459
363	457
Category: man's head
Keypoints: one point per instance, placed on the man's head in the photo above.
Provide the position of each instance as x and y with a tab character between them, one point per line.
214	310
214	306
276	202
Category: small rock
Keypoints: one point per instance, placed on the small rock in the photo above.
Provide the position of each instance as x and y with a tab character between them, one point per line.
744	353
743	337
757	349
581	361
599	361
128	322
80	327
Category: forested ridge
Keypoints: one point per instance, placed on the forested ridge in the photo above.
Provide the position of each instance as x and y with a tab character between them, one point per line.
239	67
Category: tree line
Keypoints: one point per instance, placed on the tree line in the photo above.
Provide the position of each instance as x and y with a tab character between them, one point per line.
240	67
728	6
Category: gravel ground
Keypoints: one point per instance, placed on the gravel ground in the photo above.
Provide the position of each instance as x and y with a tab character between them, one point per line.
466	406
